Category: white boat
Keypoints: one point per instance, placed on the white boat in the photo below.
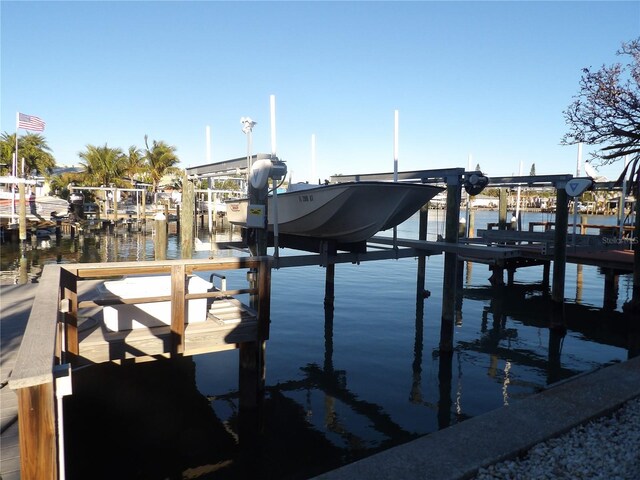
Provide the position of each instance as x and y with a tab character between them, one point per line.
346	212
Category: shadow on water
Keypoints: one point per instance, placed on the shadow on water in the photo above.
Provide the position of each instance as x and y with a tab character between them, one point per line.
342	383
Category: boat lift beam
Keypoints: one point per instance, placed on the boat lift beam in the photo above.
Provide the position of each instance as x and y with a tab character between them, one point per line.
236	165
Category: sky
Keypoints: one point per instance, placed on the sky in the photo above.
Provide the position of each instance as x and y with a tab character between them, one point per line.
480	83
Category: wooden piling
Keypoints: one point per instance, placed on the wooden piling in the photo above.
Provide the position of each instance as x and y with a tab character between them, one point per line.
252	354
610	298
450	265
329	285
160	239
633	305
471	226
186	225
502	209
421	293
115	205
560	256
579	283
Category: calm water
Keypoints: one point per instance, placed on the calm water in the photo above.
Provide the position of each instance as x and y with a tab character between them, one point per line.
341	385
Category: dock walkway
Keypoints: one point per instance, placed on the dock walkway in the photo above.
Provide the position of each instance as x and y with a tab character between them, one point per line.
15	306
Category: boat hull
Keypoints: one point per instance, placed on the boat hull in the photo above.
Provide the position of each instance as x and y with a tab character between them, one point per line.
345	212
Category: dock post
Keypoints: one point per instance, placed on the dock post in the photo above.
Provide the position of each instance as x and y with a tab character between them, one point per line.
251	371
610	300
329	286
546	270
559	256
421	293
160	239
471	227
22	212
186	224
502	209
579	283
633	305
459	291
450	265
144	211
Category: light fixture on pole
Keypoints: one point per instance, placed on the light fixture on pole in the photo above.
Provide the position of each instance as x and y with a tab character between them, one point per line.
247	128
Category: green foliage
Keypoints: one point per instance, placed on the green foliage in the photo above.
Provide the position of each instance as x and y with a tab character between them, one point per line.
32	147
160	160
103	166
59	184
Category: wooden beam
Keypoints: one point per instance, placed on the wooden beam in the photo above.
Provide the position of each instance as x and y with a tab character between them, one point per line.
450	268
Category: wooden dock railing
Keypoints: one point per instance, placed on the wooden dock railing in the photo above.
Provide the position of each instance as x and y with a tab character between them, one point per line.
51	340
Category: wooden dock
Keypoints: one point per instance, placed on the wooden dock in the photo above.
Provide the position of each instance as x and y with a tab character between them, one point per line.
65	331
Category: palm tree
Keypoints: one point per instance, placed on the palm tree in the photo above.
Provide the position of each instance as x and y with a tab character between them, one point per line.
161	160
32	147
133	164
102	166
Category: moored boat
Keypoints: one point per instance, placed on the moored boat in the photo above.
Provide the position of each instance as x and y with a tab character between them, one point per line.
346	212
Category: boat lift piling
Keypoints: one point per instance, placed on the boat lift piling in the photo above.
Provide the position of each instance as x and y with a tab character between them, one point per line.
449	281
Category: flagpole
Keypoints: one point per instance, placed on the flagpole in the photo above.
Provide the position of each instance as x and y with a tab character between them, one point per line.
14	173
14	170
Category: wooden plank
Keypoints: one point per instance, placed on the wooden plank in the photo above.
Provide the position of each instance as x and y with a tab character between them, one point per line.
36	424
34	363
100	345
477	251
109	300
102	270
515	236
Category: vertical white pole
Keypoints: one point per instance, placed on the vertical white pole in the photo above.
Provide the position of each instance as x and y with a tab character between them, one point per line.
395	147
395	165
13	189
579	160
518	196
468	198
272	100
14	172
14	169
208	138
209	205
575	199
314	172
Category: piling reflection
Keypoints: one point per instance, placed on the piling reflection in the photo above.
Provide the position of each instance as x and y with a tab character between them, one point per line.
318	420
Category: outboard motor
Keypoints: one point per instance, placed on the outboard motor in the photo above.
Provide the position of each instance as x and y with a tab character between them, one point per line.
475	182
76	205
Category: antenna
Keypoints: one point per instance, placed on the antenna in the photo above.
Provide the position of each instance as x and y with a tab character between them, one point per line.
272	101
395	147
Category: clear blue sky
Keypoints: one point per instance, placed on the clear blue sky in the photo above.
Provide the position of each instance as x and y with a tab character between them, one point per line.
487	79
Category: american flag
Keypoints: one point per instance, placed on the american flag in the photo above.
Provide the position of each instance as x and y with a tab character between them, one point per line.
29	122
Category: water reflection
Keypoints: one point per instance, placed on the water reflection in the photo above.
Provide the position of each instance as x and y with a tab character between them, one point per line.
322	416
